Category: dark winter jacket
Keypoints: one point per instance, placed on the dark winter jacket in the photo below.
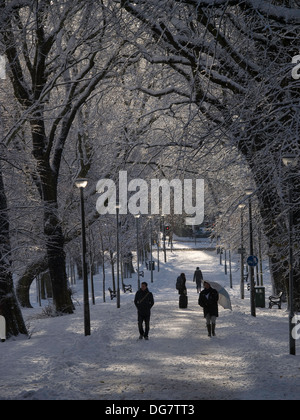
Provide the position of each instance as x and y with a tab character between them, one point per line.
144	301
208	300
180	285
198	277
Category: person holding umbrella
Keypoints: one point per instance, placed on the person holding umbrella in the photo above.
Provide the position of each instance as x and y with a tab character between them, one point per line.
208	300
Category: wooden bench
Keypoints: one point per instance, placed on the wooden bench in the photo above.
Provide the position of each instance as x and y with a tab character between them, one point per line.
127	288
275	300
112	293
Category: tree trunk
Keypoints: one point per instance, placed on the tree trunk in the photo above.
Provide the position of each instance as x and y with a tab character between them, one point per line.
26	280
9	307
56	259
48	181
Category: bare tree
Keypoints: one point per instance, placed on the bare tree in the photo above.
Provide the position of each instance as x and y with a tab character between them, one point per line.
55	56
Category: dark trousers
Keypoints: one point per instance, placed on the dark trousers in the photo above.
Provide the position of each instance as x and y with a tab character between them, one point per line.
146	319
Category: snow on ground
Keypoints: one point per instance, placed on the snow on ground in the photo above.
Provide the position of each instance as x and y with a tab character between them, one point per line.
249	358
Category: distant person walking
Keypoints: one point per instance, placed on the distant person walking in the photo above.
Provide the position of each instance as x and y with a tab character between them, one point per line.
198	277
182	291
180	284
208	300
144	301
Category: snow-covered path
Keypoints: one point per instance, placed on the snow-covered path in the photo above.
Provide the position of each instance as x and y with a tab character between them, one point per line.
247	360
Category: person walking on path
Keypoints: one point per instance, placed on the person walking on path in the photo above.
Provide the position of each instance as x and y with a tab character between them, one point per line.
144	301
198	277
180	284
208	300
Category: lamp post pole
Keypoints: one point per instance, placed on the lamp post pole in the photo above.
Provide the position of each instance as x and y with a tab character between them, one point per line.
249	192
81	184
151	253
137	249
230	268
118	259
291	161
158	244
164	238
242	206
292	341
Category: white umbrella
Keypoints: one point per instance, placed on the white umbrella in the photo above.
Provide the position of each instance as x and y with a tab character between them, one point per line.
224	298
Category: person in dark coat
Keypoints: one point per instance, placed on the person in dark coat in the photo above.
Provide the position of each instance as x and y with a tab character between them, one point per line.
198	277
180	284
144	301
208	300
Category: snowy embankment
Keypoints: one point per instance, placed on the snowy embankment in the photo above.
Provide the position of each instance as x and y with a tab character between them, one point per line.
247	360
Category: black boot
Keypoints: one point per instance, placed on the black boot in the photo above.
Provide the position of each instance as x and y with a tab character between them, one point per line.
213	329
209	330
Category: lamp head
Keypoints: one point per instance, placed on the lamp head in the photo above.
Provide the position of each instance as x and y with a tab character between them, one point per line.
249	191
81	182
290	160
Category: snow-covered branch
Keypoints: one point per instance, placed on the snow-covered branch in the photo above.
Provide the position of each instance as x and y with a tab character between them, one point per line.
283	14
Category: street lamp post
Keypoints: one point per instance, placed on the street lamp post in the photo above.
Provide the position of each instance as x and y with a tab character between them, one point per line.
118	258
230	269
242	206
81	183
151	253
137	216
291	161
158	244
164	237
249	192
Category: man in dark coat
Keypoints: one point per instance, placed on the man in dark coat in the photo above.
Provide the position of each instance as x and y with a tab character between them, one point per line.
144	301
208	300
198	277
